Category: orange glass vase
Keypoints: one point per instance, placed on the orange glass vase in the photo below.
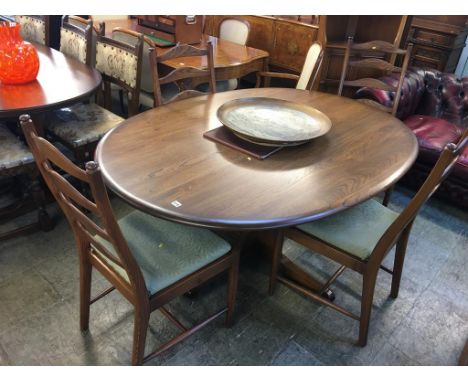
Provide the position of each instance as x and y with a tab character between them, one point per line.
19	62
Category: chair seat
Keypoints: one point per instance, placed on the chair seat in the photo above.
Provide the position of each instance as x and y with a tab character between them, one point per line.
167	251
13	153
221	86
81	124
355	230
168	91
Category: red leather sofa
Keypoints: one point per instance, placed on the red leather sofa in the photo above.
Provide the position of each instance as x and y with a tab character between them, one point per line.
434	105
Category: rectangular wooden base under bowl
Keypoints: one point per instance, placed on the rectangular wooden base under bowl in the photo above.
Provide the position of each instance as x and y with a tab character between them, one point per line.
224	136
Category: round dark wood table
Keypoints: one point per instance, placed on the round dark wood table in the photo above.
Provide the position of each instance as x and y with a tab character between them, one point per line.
160	163
61	81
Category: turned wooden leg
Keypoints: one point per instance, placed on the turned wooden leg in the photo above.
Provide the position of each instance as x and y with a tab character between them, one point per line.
44	221
387	196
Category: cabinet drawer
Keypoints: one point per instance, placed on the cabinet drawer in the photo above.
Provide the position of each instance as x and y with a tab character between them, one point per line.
433	38
429	52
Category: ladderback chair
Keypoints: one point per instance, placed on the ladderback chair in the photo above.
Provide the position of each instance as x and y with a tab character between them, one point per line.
360	237
374	57
34	28
149	260
19	175
370	57
81	126
76	41
181	76
309	71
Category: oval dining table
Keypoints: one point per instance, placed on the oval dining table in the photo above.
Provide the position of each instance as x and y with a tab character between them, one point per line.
61	81
159	162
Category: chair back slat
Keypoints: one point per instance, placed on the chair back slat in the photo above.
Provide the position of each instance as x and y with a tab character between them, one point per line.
376	50
182	77
88	233
440	171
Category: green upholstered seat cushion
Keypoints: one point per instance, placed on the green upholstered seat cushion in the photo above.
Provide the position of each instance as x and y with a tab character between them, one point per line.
355	230
81	124
165	251
13	152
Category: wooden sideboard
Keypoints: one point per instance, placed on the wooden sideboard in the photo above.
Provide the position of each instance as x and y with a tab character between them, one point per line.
284	38
438	41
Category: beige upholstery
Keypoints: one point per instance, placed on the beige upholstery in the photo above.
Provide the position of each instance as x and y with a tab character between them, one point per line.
13	152
309	65
32	29
73	44
94	34
117	63
146	79
234	30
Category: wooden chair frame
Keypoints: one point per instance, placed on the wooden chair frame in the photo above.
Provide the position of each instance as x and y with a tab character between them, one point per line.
267	75
86	32
396	234
373	48
184	73
93	254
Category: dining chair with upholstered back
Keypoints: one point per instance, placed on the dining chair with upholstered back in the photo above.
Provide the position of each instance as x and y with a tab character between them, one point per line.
19	177
150	261
234	30
81	126
34	28
76	41
309	71
366	61
96	30
181	78
360	237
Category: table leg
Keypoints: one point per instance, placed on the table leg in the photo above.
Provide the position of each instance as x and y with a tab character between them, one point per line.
264	241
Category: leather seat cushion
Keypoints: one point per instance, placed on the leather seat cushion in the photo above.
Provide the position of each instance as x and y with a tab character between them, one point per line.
81	124
165	251
13	152
461	167
432	134
355	230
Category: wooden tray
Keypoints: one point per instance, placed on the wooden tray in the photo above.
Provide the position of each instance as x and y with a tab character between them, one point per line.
273	121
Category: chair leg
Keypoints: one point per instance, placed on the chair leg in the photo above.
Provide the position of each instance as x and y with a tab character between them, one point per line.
368	287
140	328
400	253
275	261
232	289
387	196
85	291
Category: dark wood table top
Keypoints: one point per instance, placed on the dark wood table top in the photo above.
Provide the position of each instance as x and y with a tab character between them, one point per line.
61	81
159	158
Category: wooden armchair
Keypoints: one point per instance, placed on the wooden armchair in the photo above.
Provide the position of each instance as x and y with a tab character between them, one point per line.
149	260
181	78
80	127
308	74
34	28
359	239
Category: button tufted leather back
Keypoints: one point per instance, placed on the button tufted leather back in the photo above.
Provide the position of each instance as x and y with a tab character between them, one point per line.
427	92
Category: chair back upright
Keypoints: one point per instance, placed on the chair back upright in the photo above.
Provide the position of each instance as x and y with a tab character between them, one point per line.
404	221
34	28
374	58
99	241
120	63
234	30
182	76
76	41
311	67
